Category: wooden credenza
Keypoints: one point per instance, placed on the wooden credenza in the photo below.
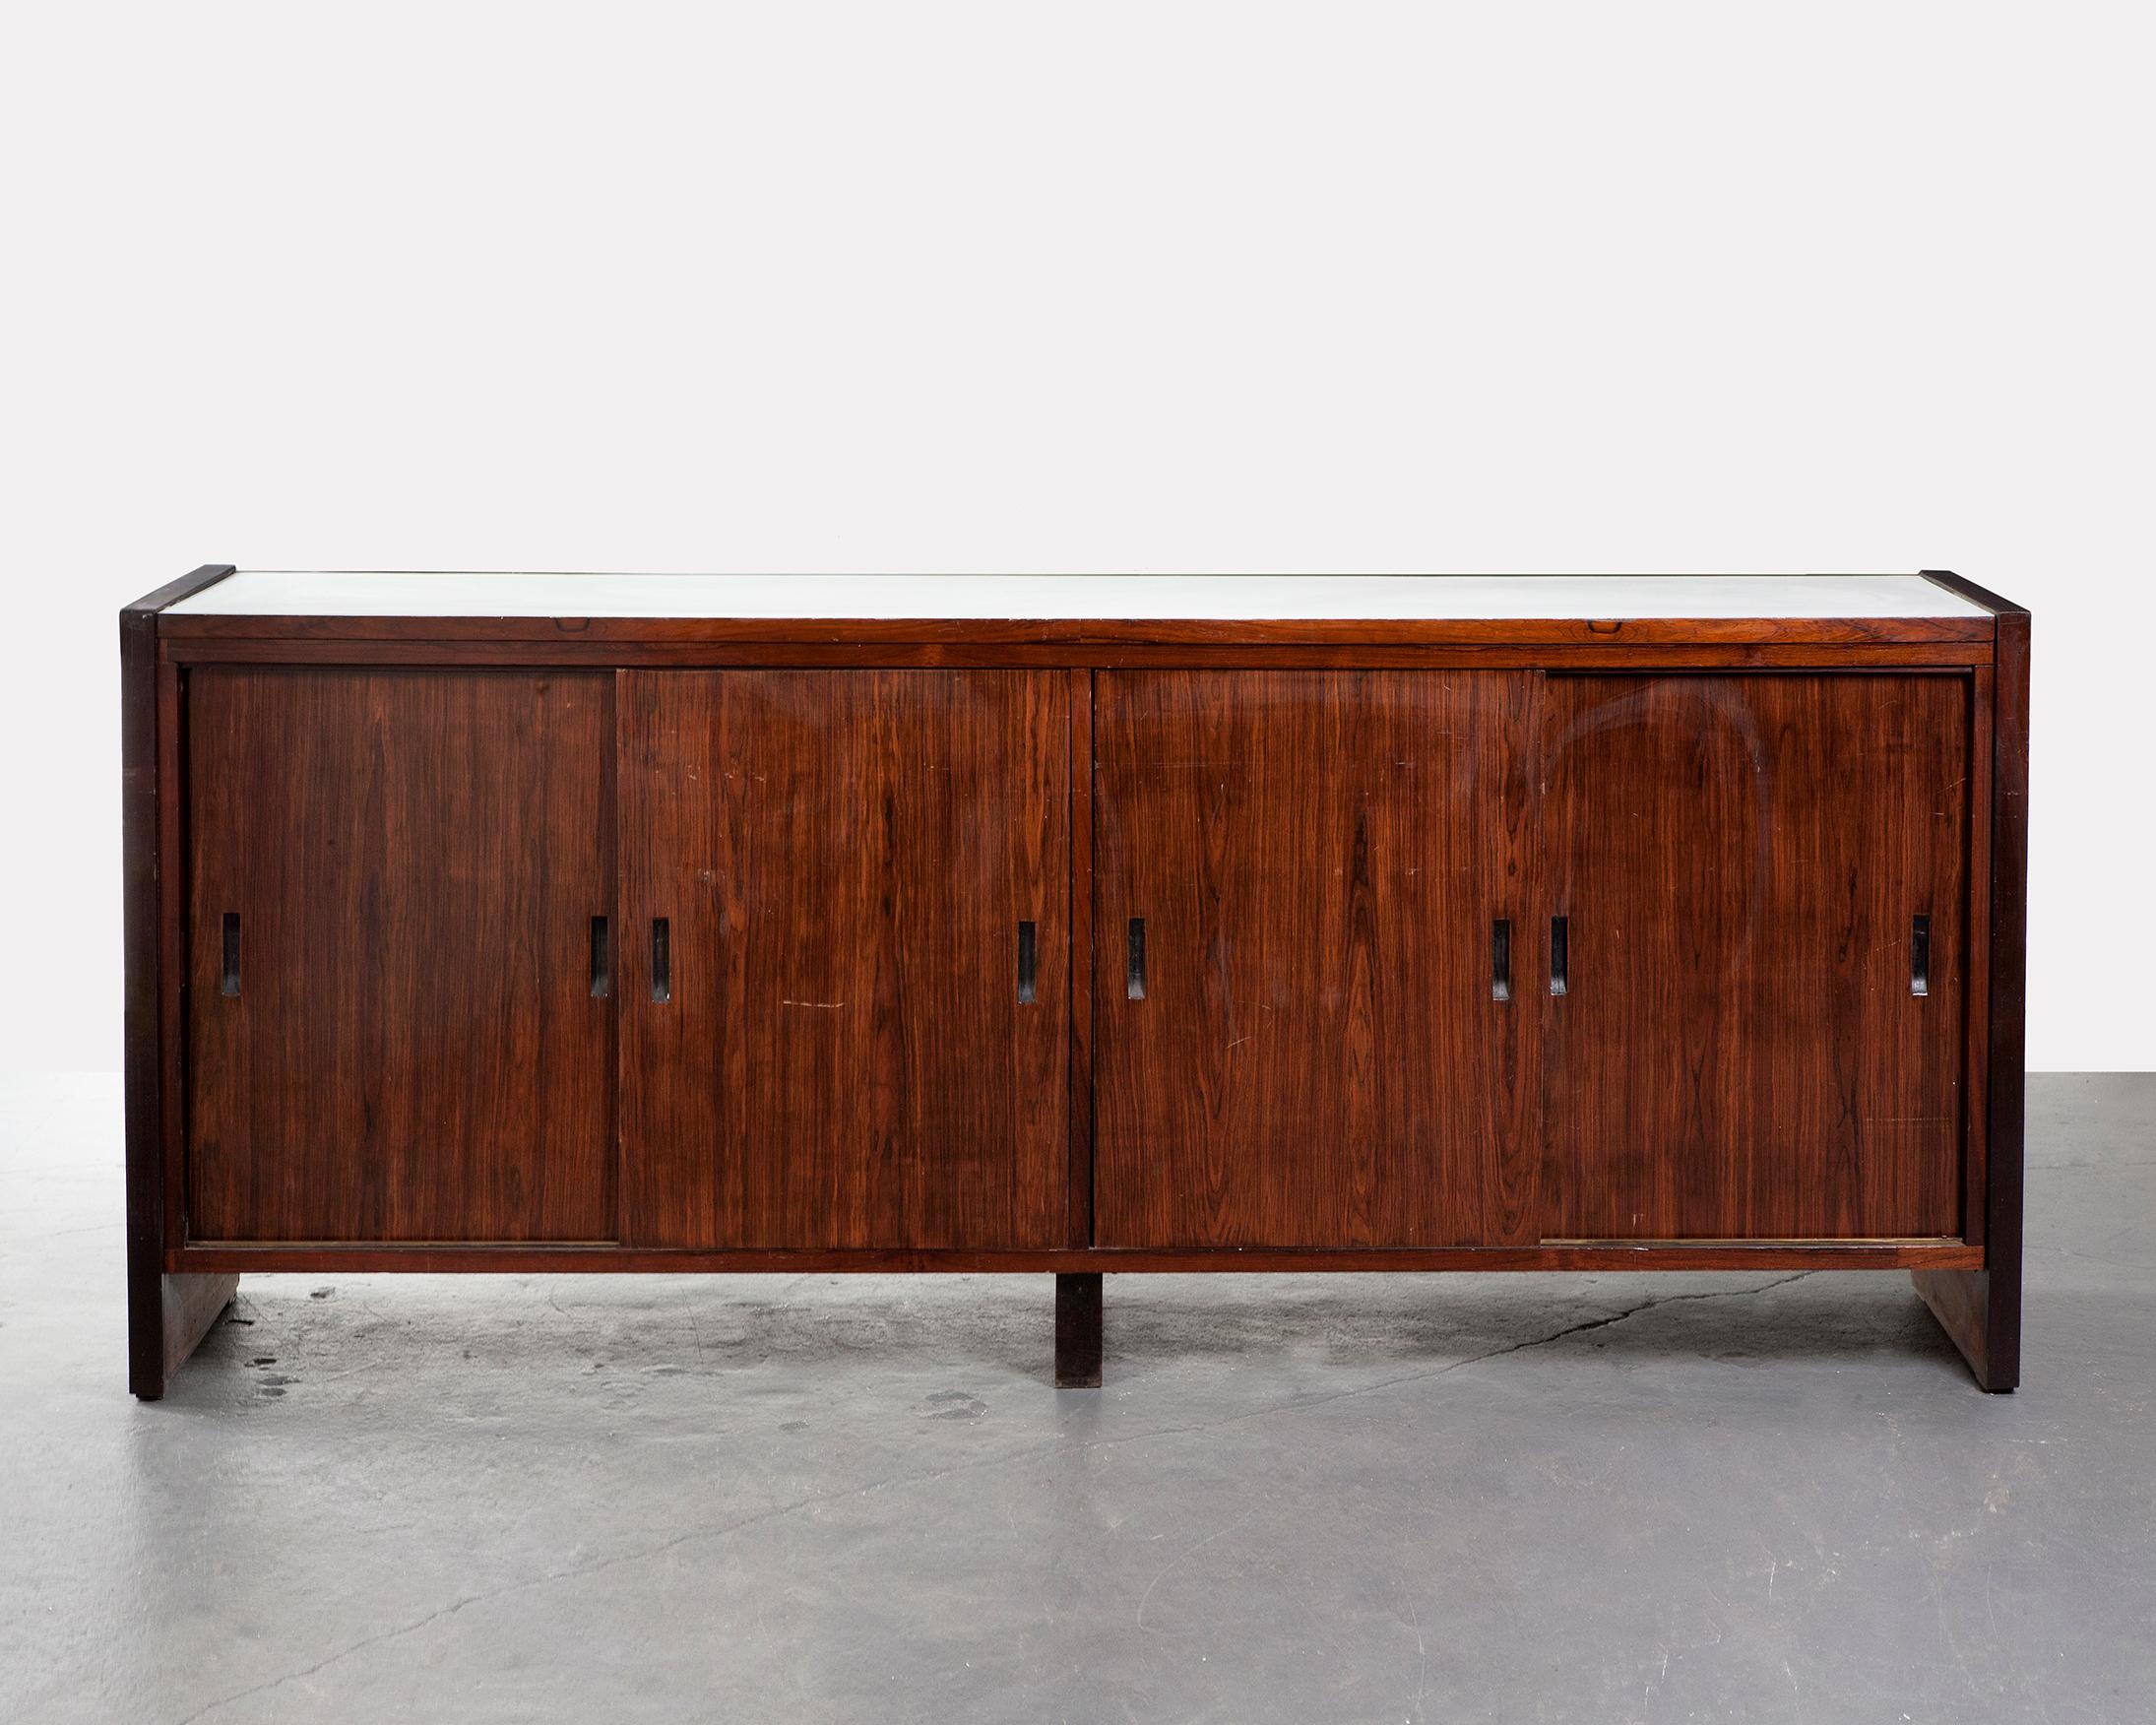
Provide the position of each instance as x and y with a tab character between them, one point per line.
538	923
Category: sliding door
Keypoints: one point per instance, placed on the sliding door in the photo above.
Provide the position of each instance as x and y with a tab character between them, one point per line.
1762	881
845	958
392	1028
1314	1012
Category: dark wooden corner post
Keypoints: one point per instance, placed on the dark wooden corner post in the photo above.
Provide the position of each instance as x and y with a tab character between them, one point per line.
1078	1332
1981	1310
166	1315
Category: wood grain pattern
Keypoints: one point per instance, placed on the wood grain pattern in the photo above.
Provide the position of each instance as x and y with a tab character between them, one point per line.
1739	1054
414	1052
167	1312
842	859
1318	1060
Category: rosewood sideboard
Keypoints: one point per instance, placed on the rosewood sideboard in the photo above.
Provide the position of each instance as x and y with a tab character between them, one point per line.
1073	924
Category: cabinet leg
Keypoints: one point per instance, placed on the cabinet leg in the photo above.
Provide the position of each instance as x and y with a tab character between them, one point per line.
1980	1312
168	1316
1078	1332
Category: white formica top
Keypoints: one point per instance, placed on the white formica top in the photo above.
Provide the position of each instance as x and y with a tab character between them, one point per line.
1031	598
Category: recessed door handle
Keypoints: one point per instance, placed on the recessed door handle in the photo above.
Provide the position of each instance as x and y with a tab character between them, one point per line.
1134	960
602	958
1500	959
228	963
1026	958
662	960
1919	956
1560	956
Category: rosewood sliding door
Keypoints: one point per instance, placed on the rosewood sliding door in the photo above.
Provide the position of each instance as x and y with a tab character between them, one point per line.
845	958
1316	1011
392	1032
1763	880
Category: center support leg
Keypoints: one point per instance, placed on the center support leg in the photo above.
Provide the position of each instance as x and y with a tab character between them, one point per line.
1078	1332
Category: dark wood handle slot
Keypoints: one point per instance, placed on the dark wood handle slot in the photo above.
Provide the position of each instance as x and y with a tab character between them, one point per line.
1026	961
603	959
1560	956
1500	959
228	971
1134	974
1919	956
662	961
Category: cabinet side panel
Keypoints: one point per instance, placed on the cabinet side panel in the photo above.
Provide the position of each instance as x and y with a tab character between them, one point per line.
845	1054
1981	1310
166	1314
1746	1048
2008	1003
392	1033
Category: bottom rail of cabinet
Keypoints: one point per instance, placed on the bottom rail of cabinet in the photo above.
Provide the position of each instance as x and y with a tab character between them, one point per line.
600	1258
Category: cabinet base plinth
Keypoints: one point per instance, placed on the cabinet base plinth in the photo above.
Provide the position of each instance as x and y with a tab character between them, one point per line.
1077	1332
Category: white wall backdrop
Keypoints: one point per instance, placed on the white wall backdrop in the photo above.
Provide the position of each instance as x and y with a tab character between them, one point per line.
1154	286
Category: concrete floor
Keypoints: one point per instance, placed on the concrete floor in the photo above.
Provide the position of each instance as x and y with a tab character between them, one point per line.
1594	1498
